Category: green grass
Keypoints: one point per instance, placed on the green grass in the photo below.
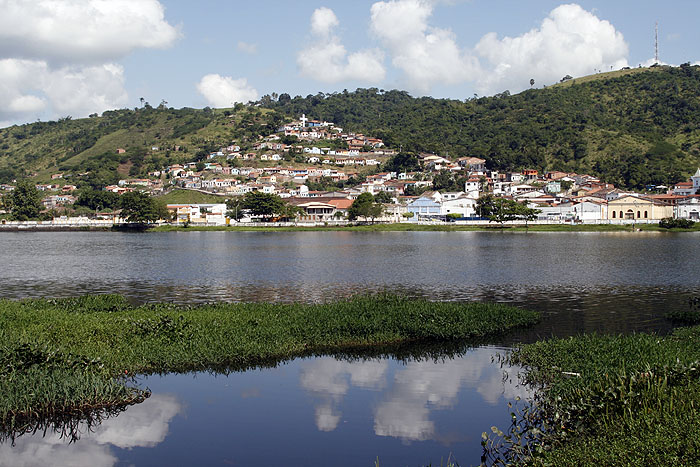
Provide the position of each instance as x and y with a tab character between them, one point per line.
180	196
605	76
611	400
69	356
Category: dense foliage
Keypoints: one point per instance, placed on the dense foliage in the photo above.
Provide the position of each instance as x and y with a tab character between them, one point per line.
607	400
24	201
632	128
671	223
138	207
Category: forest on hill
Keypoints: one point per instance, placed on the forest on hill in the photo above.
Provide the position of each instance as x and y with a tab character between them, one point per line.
633	129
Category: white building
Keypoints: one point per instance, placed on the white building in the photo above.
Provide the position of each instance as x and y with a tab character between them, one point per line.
462	205
199	213
688	208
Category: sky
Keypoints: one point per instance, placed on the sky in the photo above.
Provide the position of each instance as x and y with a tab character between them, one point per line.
77	57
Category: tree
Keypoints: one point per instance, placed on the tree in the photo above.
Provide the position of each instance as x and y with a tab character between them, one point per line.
365	206
234	208
137	207
502	210
290	212
263	204
25	201
532	82
383	197
97	199
522	211
402	162
200	166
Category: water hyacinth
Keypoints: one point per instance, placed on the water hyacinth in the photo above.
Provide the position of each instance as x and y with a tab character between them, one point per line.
606	400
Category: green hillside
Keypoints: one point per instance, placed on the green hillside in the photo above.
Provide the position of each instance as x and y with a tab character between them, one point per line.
90	145
631	127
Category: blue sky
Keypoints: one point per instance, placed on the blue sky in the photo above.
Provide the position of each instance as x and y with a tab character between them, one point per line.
75	57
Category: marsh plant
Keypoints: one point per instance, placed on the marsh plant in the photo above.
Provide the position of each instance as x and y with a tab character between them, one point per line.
605	400
71	357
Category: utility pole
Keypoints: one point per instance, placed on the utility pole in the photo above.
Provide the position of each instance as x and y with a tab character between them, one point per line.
656	43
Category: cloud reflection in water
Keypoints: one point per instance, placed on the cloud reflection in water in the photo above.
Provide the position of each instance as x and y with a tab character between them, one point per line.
327	378
416	389
142	425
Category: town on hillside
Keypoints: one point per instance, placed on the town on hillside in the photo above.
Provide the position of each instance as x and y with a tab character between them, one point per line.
320	170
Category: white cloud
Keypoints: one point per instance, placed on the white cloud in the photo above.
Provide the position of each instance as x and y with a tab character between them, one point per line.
323	20
246	47
327	60
426	55
30	87
84	90
81	31
570	41
57	57
224	91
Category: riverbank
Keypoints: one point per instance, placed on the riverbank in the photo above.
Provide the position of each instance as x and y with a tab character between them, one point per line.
408	227
610	400
69	357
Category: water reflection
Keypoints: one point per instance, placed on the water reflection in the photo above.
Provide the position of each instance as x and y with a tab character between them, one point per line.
412	395
144	425
410	411
329	380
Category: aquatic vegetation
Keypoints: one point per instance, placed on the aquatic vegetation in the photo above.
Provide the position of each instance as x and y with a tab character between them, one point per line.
689	316
606	400
62	357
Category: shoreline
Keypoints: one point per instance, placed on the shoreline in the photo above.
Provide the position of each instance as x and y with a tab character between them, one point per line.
393	227
430	228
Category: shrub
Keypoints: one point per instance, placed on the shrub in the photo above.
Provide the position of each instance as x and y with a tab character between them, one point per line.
671	223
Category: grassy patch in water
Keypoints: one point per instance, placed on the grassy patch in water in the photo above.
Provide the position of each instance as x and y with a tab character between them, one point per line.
608	400
71	355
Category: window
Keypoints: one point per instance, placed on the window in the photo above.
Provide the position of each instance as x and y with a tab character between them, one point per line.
613	214
646	214
639	215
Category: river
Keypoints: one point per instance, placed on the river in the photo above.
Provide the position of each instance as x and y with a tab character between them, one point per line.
327	411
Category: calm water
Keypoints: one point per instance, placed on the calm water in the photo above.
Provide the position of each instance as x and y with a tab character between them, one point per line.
333	412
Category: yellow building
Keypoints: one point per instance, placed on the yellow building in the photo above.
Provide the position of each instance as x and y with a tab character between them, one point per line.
638	208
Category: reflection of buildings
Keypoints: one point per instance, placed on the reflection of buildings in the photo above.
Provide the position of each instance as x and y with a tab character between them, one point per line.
142	425
418	389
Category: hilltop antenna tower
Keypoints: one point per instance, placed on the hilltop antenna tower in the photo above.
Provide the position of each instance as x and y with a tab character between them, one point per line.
656	43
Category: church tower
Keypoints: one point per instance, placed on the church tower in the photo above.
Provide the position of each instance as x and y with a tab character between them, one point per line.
696	180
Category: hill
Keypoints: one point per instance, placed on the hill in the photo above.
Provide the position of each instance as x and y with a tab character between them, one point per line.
150	137
631	127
